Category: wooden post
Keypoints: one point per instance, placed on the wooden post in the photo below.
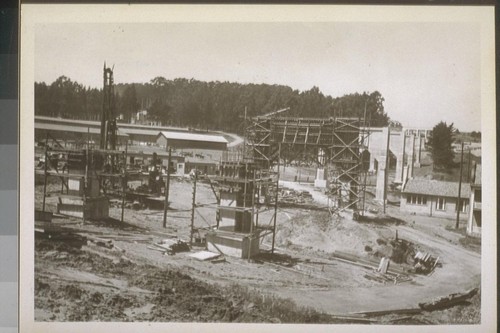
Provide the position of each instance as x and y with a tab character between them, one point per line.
45	171
253	202
167	189
276	199
193	209
468	166
85	182
386	173
460	186
250	239
244	134
403	162
124	180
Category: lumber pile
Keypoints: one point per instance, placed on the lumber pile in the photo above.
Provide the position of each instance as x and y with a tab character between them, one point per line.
170	247
425	263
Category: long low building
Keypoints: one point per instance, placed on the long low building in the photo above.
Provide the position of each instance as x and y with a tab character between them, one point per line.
435	198
72	133
190	150
179	140
144	135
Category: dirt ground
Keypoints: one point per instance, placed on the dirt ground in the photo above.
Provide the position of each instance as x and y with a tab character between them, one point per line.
132	282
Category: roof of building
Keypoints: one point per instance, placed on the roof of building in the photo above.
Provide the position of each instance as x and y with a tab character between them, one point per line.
76	125
193	137
436	188
98	123
71	128
139	131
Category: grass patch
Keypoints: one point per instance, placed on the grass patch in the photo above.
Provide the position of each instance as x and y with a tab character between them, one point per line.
471	243
468	242
281	310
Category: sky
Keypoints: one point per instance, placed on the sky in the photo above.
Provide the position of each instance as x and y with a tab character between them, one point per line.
427	72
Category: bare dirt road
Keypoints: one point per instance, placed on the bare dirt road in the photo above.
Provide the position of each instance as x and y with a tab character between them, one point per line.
461	268
309	238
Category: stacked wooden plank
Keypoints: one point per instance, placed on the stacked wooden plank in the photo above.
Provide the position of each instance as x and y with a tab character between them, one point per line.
425	262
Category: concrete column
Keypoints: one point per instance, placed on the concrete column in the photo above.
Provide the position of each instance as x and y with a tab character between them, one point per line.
379	191
372	162
320	180
470	217
399	168
418	151
404	153
381	159
411	156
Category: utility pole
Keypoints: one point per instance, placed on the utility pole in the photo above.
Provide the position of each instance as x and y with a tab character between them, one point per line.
419	149
276	198
167	188
124	180
193	209
45	171
460	185
403	162
468	166
245	134
386	173
362	159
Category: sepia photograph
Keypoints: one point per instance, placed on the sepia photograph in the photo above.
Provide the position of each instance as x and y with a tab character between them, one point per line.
318	165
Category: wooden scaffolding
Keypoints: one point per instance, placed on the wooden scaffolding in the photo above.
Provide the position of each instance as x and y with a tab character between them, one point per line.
336	144
243	191
87	176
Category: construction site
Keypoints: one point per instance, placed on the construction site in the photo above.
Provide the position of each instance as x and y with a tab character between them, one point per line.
299	220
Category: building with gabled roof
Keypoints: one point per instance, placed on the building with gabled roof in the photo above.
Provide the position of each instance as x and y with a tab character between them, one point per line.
435	198
202	152
180	140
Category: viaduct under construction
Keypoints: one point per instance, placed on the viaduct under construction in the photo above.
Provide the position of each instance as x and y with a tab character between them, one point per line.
243	188
249	186
334	145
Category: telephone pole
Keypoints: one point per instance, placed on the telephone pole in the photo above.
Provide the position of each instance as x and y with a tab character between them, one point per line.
460	185
167	189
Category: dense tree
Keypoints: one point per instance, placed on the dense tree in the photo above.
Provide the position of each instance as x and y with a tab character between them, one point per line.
128	104
440	143
160	111
475	135
205	105
363	105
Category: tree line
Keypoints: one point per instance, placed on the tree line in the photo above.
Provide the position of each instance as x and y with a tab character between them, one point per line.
204	105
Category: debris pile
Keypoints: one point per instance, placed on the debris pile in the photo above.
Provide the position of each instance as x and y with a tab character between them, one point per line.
405	253
448	301
290	196
170	247
385	278
425	263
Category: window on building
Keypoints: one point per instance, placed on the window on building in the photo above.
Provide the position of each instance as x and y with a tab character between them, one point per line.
417	199
463	205
441	204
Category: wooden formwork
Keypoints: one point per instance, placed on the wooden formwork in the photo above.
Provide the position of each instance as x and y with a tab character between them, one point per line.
334	143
